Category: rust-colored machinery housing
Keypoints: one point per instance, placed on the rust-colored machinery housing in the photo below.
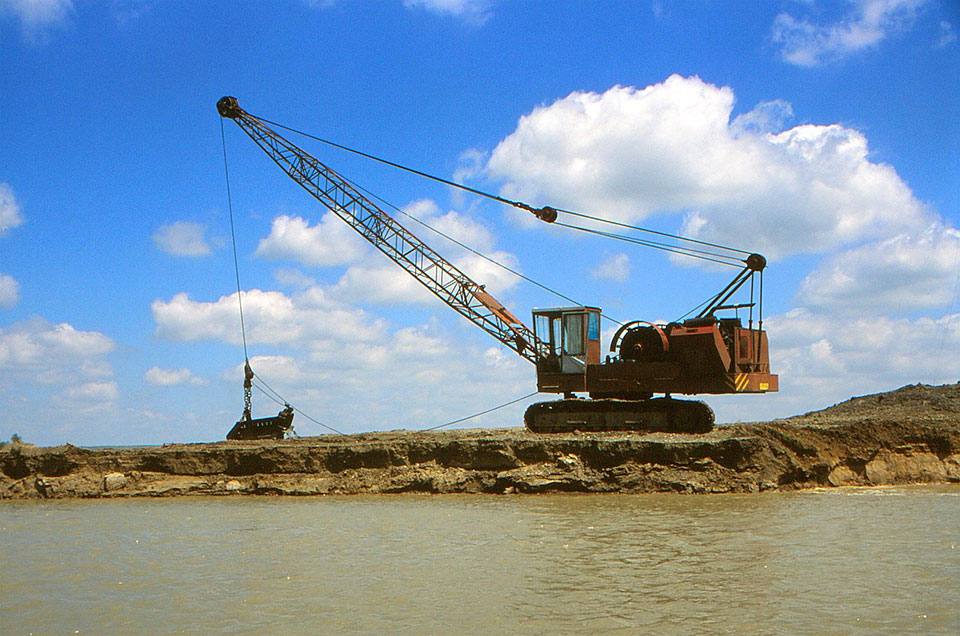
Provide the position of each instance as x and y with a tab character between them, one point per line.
697	356
701	355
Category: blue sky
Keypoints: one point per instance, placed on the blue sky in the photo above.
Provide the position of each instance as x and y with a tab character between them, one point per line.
823	134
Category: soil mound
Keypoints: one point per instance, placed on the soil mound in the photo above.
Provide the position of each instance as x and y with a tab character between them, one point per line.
911	435
907	403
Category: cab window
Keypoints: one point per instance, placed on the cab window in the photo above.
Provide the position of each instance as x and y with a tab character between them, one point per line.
593	327
573	343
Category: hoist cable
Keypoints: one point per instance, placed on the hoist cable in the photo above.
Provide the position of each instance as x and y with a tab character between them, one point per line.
649	231
258	382
236	268
282	402
491	410
695	308
233	237
679	249
495	197
272	394
468	248
426	175
714	258
318	422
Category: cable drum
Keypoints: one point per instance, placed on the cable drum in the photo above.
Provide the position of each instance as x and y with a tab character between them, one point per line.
644	343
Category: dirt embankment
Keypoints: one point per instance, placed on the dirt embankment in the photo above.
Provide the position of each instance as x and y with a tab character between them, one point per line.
911	435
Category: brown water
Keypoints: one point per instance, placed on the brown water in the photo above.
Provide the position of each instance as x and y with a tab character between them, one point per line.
857	561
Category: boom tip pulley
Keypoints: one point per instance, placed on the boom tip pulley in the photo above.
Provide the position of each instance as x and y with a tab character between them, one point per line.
229	107
756	262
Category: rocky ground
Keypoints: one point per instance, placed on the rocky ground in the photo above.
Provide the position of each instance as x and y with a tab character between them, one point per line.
911	435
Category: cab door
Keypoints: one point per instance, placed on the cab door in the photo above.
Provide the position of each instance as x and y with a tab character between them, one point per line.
573	357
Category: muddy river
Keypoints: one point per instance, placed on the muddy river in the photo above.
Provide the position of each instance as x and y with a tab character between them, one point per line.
840	561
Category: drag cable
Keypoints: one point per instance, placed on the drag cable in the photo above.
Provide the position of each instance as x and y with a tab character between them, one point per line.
470	417
283	402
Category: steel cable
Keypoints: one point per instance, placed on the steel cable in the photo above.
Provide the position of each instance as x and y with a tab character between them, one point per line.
704	255
470	249
491	410
699	254
500	199
233	237
285	403
269	391
236	267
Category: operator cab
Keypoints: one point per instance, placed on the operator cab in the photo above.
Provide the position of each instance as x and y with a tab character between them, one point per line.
572	336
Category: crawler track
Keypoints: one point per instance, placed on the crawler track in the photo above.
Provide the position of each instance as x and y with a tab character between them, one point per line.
656	415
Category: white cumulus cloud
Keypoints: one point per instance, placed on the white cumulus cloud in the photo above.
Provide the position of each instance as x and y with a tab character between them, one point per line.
9	291
182	238
35	353
378	280
474	236
171	377
868	347
865	25
389	377
473	11
127	11
329	242
380	283
454	224
37	342
614	267
823	359
766	117
94	392
37	16
292	277
671	147
819	351
947	35
9	209
494	278
270	317
283	370
903	273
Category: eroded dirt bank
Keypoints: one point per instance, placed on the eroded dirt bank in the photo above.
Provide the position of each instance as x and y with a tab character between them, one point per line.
911	435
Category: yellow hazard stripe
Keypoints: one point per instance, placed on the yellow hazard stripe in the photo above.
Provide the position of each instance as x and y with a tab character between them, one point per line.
742	381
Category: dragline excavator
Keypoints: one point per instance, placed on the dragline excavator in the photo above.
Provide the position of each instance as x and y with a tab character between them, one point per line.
703	354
